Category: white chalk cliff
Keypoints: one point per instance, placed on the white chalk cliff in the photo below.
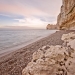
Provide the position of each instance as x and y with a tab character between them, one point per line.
51	27
66	18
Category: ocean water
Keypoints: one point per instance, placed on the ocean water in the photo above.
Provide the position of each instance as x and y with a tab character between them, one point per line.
10	39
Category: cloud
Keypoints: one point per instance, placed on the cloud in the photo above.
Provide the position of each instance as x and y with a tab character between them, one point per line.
5	15
31	7
20	20
35	13
20	10
33	22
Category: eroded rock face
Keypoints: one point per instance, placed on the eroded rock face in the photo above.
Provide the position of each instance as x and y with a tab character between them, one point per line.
46	62
53	60
66	18
68	37
51	27
72	44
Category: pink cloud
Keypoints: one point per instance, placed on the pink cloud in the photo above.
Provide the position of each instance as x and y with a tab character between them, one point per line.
33	7
33	11
21	10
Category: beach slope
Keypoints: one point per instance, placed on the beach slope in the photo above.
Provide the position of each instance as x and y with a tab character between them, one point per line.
15	62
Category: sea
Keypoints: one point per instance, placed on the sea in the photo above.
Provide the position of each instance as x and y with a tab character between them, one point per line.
12	39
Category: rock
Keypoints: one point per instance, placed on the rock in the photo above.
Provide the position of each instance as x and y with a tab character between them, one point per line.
54	60
66	18
72	44
51	27
37	55
68	37
70	66
47	62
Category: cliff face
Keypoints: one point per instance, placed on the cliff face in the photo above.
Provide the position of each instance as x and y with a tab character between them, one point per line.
66	18
51	27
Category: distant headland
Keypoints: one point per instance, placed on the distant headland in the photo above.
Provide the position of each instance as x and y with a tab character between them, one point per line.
66	17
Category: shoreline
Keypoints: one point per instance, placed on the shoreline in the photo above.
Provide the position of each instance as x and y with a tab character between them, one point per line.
13	63
10	50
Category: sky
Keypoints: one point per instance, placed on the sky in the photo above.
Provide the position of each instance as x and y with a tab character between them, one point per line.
30	13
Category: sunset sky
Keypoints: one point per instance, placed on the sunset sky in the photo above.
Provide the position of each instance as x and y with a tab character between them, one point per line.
31	13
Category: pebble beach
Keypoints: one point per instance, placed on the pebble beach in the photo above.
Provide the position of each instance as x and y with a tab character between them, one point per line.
14	62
